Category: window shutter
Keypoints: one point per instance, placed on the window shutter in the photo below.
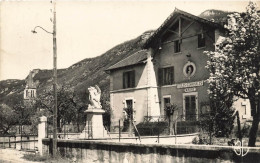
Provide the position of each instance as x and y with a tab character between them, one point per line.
199	40
175	46
124	79
179	46
160	76
132	78
172	75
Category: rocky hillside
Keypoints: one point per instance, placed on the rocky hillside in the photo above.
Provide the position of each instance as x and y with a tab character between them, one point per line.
217	16
89	71
79	76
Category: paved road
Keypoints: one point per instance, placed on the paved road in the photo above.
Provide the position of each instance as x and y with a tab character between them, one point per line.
13	156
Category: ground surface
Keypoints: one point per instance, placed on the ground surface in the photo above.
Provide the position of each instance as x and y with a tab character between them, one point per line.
13	156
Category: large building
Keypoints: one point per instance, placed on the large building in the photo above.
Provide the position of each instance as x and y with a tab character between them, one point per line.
169	69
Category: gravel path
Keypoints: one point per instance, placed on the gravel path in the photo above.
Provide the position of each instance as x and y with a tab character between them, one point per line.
13	156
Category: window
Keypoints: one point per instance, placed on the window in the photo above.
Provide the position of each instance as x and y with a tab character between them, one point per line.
177	46
201	40
166	76
190	108
129	79
129	104
32	93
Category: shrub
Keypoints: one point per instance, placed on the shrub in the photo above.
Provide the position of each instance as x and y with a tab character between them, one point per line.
152	128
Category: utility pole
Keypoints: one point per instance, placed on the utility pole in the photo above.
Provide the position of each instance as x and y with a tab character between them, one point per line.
54	82
54	149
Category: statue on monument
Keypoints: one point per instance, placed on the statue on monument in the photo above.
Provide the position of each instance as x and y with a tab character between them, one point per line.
94	97
94	123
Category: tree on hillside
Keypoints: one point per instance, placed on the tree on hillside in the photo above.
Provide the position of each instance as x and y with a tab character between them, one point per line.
235	65
69	106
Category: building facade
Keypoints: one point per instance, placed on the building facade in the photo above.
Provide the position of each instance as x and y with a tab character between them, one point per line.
169	70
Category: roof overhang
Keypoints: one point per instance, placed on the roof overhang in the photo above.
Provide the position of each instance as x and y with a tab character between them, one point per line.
169	21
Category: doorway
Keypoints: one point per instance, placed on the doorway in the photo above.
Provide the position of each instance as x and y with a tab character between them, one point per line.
190	106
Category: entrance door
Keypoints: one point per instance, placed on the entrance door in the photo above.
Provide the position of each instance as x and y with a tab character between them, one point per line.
129	105
167	103
190	107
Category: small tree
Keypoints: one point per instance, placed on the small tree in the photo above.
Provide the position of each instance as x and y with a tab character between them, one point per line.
69	106
218	118
235	65
8	118
24	114
169	110
128	121
105	102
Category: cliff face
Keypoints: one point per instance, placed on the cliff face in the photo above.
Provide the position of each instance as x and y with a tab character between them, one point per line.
79	76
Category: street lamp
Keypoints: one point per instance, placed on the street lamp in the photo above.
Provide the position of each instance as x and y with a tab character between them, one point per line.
54	77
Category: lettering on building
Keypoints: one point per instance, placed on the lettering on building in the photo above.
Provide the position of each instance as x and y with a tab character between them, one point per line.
189	89
192	84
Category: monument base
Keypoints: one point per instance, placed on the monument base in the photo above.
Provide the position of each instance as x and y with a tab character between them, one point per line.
94	124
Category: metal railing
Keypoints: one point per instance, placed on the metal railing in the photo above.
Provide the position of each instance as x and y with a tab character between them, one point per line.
185	124
22	142
155	118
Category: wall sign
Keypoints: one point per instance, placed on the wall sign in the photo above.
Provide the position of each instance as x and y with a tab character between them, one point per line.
190	89
189	69
192	84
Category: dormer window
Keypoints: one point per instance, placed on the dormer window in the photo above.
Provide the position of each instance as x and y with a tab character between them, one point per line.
177	46
201	40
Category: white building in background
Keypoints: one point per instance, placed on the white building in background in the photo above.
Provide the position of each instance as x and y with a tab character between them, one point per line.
30	89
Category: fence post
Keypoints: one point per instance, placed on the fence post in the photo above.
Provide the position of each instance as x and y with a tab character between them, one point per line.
9	143
64	128
41	132
158	132
88	129
34	142
4	142
119	131
14	141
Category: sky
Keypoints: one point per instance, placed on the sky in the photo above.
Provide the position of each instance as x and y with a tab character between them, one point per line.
85	29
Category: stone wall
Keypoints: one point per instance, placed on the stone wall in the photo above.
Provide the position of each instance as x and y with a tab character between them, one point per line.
98	151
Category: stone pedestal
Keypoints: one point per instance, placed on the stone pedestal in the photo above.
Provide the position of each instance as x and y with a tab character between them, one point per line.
94	125
42	132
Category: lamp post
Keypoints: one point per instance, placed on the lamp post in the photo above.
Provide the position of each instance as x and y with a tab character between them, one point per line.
54	149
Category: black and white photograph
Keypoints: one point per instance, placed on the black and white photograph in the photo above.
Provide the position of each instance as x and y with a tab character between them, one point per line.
113	81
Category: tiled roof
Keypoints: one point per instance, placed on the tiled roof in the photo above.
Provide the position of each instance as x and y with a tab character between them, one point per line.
133	59
171	18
